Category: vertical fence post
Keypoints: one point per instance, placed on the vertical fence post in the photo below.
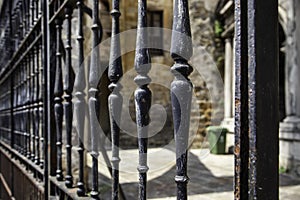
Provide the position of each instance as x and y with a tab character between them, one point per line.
181	91
31	101
46	97
142	95
58	108
115	72
93	101
26	109
26	106
263	87
68	88
36	110
31	13
256	145
80	102
241	151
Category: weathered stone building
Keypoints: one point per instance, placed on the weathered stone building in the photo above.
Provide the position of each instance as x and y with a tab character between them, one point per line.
289	94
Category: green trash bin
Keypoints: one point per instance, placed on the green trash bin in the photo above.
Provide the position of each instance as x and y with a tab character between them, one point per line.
217	139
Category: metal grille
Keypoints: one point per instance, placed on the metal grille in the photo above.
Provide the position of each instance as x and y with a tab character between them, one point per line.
22	133
39	88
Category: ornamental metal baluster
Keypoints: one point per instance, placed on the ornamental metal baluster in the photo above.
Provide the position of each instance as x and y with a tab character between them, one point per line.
23	105
16	123
27	19
18	24
21	113
26	16
42	136
19	20
68	88
58	108
181	90
23	102
20	119
115	99
27	107
36	109
36	4
18	87
32	102
23	13
93	101
28	104
79	106
32	12
41	99
142	94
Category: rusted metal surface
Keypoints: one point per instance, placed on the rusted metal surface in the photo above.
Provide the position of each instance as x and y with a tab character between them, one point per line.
263	87
256	139
241	102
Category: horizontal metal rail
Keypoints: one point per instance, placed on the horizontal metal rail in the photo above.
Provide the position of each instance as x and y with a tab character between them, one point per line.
23	159
20	167
23	44
9	69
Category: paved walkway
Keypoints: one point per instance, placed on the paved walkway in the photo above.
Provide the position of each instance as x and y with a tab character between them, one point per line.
211	176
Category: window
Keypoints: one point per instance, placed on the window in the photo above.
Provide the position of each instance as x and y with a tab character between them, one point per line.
155	19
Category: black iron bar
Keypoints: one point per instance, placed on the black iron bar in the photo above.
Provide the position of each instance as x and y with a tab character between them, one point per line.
261	62
37	10
31	102
115	100
36	110
181	91
94	76
28	21
142	95
58	108
241	151
79	107
24	117
27	101
19	16
42	102
46	94
31	13
68	88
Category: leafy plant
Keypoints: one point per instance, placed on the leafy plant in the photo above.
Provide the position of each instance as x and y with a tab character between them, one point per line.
218	28
282	170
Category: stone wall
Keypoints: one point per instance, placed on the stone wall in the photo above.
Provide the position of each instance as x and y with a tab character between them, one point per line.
208	63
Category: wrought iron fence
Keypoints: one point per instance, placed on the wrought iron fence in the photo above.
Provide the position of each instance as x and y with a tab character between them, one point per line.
37	83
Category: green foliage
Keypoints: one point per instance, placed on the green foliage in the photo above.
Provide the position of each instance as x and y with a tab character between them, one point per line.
218	28
282	170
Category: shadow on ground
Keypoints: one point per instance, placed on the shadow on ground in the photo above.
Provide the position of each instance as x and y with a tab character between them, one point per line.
202	181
